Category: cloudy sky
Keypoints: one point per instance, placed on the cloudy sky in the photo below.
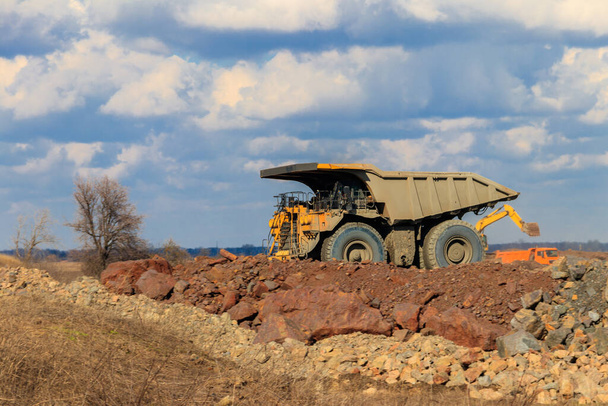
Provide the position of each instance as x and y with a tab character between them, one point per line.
184	101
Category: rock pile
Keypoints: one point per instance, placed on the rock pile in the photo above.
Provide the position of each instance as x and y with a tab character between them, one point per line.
532	361
470	305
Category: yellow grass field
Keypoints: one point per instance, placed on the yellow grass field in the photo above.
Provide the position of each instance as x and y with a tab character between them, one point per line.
9	261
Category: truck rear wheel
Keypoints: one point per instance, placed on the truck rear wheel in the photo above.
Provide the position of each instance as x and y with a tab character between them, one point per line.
452	242
354	242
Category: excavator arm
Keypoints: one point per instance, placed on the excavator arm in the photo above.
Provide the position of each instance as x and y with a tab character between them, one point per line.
531	229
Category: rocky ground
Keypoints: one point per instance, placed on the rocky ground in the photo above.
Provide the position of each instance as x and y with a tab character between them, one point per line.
501	330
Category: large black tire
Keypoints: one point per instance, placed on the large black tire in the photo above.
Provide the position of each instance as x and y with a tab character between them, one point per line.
354	242
452	242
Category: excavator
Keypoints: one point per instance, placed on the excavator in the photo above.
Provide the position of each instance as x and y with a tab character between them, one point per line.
531	229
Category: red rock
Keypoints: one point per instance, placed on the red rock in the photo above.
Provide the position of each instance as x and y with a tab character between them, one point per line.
242	311
429	312
155	285
472	374
471	356
406	315
440	378
217	261
324	314
259	289
277	327
230	299
228	255
463	328
120	277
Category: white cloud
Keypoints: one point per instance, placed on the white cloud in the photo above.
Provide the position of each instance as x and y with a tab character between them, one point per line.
522	141
455	124
572	162
135	155
93	66
173	86
291	84
578	82
76	153
431	152
272	15
257	165
278	143
547	14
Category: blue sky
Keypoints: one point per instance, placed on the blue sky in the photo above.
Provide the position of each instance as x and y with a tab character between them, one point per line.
184	101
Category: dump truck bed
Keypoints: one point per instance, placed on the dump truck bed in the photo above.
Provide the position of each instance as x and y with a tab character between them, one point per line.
403	196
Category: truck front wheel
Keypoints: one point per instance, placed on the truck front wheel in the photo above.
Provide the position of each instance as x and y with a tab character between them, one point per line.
354	242
452	242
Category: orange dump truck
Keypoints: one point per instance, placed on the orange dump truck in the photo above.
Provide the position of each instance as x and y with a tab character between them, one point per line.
543	256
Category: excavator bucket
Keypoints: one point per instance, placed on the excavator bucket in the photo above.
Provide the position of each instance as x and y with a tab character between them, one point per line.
532	229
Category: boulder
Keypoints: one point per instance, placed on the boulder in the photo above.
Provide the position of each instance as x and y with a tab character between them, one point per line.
242	311
228	255
463	328
259	289
528	320
181	286
531	299
556	337
120	277
559	269
277	327
323	313
406	315
230	299
155	285
515	343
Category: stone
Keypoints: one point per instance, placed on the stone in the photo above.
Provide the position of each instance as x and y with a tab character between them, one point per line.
484	381
594	316
577	272
559	269
242	311
463	328
473	373
406	315
401	335
528	320
277	327
230	299
180	286
556	337
155	285
425	315
515	343
259	289
440	378
490	395
531	299
544	398
228	255
599	339
120	277
271	285
324	314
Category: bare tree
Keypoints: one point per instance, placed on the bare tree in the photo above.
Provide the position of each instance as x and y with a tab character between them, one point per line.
107	223
32	233
175	254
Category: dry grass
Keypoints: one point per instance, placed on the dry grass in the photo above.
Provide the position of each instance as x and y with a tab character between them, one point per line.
9	261
54	353
63	271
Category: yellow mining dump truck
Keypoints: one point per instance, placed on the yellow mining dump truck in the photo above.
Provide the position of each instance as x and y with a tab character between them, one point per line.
357	212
